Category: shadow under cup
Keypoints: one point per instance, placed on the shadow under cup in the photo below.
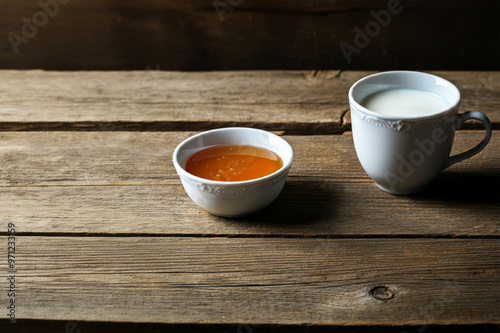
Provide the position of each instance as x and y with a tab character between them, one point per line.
403	154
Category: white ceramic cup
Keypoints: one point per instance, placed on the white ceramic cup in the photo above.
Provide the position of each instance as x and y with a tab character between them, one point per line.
239	198
404	154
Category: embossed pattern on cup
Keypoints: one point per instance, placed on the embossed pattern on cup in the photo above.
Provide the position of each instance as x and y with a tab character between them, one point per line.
404	154
233	199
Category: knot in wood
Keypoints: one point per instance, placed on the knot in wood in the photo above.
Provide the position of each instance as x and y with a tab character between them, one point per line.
382	293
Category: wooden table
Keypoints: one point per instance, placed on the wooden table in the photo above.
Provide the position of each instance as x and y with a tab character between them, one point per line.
105	234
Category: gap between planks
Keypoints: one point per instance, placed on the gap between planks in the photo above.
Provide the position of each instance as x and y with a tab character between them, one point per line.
318	237
289	128
283	128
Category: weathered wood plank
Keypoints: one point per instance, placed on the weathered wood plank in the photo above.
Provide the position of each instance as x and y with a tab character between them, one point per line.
135	158
145	158
257	34
467	207
298	102
257	280
155	100
125	183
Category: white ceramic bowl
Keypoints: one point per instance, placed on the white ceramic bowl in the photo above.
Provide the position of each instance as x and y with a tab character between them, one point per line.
232	199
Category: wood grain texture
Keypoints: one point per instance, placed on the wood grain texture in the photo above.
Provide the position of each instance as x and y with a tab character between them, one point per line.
257	34
257	280
125	183
298	102
155	100
105	232
145	158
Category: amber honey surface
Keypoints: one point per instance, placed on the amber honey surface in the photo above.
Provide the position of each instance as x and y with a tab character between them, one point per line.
233	163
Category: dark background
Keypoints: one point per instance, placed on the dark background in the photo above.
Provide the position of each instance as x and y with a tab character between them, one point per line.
248	34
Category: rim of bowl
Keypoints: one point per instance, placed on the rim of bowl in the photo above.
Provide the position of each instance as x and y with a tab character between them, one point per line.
186	174
392	117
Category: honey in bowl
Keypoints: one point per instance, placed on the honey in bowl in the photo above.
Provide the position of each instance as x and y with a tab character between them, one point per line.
232	163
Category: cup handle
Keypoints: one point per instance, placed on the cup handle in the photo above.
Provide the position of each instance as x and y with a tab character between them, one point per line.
480	146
